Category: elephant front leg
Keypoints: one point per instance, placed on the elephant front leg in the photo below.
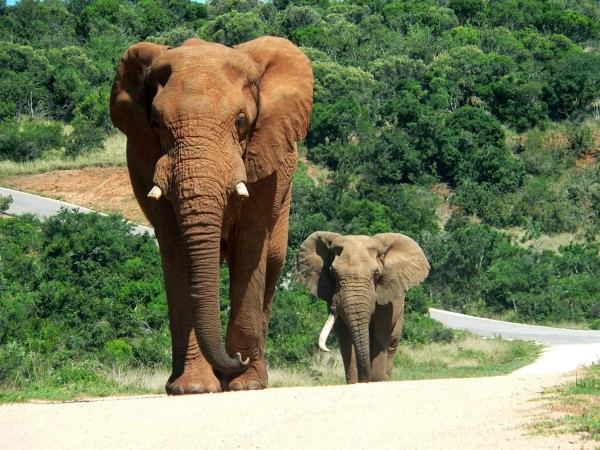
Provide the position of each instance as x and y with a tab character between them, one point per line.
256	257
191	373
380	334
397	323
245	331
347	349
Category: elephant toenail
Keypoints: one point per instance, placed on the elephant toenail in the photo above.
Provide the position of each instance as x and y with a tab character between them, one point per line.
255	385
195	389
212	389
236	386
176	390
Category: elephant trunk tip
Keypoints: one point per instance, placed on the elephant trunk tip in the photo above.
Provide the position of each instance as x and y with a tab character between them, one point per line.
244	362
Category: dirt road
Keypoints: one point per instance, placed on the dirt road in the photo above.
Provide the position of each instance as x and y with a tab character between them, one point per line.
482	413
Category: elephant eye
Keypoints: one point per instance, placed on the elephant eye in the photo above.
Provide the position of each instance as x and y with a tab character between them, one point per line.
241	124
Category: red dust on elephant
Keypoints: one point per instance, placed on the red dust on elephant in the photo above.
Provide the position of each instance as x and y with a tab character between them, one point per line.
211	151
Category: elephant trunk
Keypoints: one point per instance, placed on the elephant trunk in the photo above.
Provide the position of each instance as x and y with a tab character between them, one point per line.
360	336
199	194
356	310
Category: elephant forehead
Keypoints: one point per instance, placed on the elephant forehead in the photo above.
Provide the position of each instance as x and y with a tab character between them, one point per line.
214	61
355	250
356	243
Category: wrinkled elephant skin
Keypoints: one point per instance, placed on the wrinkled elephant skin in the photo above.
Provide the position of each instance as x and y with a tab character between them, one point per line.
364	281
211	150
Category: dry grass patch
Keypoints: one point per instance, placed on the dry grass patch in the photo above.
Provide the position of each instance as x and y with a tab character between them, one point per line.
574	407
466	356
144	379
113	154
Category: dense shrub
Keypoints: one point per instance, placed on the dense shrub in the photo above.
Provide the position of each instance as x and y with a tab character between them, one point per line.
478	270
29	140
419	329
79	286
5	202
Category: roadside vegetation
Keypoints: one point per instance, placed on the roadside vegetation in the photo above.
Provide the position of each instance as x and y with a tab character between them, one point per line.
471	125
83	313
577	406
112	154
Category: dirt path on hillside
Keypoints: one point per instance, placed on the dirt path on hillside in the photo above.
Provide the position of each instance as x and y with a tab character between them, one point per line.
105	189
482	413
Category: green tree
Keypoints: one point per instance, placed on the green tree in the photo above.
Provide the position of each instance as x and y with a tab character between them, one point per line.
574	84
234	28
29	140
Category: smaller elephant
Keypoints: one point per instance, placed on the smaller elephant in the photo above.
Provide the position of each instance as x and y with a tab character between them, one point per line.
364	280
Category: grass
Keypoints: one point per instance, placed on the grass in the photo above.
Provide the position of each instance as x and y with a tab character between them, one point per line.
467	356
113	154
97	385
577	406
327	369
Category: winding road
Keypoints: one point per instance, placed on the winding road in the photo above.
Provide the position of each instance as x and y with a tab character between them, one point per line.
24	203
566	349
482	413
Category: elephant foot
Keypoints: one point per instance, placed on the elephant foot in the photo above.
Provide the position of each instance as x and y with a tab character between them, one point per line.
254	378
193	383
237	385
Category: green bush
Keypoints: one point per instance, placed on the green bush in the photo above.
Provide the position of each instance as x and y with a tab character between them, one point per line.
85	138
118	352
29	140
420	329
5	202
417	301
70	289
296	320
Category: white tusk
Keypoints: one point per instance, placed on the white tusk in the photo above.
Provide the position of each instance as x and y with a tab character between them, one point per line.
155	193
241	190
325	332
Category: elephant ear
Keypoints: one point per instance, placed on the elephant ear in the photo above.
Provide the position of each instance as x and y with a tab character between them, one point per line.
285	96
130	98
404	266
311	267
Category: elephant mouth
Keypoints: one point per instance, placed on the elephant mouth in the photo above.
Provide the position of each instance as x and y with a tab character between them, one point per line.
162	179
240	190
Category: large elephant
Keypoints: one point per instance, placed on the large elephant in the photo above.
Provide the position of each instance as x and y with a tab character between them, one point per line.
364	280
211	150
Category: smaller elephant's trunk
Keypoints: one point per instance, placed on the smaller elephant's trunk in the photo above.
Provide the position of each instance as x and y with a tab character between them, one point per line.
356	307
363	359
